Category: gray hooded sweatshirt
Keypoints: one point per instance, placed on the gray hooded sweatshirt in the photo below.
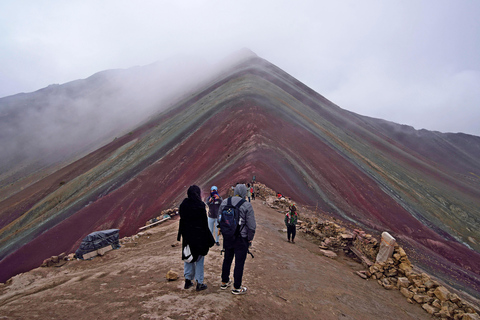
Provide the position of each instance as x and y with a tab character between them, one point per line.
247	216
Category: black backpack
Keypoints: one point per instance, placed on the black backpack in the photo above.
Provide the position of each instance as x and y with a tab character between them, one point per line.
229	220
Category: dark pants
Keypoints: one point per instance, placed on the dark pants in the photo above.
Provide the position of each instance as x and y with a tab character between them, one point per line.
237	249
291	230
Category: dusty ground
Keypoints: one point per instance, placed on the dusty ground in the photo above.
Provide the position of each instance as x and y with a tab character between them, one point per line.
284	280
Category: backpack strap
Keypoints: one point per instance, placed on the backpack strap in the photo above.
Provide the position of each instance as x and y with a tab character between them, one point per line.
237	206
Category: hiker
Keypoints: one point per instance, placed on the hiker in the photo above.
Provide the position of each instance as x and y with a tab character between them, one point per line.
237	246
231	191
249	192
213	203
193	228
252	191
291	222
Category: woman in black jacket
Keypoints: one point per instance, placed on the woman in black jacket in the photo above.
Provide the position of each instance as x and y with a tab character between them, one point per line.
193	228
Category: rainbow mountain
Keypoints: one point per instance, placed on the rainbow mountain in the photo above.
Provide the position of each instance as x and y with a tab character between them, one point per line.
250	119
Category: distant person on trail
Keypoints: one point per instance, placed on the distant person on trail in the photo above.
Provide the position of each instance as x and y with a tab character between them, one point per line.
231	191
213	203
291	222
249	192
252	191
236	246
193	228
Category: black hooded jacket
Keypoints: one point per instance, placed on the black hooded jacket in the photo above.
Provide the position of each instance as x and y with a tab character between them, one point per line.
193	227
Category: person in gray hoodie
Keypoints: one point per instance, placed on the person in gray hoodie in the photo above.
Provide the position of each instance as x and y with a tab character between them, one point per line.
238	247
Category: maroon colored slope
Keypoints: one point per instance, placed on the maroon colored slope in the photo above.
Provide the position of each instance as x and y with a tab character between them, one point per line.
235	147
259	121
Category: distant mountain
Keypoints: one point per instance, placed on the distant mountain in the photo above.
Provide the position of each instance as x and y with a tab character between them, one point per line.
253	119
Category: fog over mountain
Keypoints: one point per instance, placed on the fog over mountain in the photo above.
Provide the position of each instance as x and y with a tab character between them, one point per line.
113	150
410	62
63	120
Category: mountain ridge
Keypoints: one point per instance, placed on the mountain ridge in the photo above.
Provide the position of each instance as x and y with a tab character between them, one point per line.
255	119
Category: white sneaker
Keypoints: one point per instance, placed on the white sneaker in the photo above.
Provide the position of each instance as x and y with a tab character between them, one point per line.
224	286
241	290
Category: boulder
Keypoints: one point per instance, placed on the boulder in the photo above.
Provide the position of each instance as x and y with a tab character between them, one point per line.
441	293
46	263
407	293
430	309
453	297
403	282
172	275
405	267
401	252
429	284
470	316
436	303
420	298
347	236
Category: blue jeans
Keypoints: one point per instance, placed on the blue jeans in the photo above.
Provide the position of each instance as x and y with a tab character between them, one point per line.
194	270
212	225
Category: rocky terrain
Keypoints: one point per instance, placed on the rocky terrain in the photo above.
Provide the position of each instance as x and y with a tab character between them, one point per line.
329	273
284	280
252	119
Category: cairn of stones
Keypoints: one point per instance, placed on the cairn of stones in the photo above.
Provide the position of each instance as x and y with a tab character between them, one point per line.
397	273
262	191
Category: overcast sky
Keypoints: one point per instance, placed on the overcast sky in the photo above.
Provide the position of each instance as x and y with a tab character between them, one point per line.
412	62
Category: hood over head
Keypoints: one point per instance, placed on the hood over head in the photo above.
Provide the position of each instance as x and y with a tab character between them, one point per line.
195	196
240	190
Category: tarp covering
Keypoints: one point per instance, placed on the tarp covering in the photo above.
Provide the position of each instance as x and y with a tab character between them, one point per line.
97	240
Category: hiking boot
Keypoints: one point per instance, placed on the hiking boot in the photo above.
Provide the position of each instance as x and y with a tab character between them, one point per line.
201	286
224	285
217	243
188	284
241	290
288	240
293	241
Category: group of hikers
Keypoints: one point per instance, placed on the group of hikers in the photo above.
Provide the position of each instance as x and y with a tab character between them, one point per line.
234	218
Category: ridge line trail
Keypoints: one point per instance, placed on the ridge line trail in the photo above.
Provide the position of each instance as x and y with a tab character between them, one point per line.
284	280
293	281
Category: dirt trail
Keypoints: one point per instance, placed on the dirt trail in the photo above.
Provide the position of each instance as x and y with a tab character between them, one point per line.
284	280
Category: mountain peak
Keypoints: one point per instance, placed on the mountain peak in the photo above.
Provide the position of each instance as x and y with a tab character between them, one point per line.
252	120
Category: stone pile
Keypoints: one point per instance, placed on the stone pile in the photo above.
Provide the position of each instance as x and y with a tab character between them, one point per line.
168	212
262	191
331	235
366	244
57	260
280	204
395	274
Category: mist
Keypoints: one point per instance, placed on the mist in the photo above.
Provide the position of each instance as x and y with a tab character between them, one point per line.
59	122
410	62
